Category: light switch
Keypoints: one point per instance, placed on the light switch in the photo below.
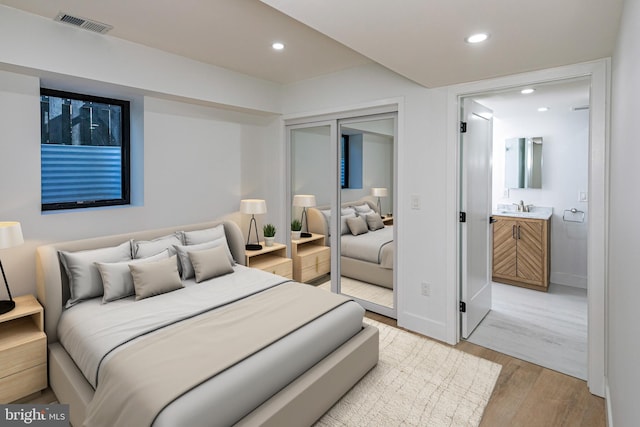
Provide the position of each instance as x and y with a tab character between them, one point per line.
582	196
415	201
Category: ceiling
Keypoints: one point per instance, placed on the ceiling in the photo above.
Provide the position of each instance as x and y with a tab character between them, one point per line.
422	40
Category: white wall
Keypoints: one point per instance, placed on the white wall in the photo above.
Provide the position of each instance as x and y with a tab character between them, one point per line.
188	160
565	157
623	329
421	172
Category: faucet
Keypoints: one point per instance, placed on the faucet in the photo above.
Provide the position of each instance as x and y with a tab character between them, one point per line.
521	207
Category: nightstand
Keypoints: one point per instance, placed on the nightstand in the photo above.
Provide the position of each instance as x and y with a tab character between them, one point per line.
272	259
388	220
23	350
311	258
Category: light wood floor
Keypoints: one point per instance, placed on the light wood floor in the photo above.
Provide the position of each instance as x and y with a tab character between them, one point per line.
529	395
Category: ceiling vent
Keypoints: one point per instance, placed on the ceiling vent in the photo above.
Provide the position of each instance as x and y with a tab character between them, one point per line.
84	23
581	108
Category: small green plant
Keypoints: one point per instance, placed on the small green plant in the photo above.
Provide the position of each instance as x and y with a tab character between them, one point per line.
296	225
269	230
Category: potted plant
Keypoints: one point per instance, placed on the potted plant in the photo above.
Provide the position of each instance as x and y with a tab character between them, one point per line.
296	227
269	232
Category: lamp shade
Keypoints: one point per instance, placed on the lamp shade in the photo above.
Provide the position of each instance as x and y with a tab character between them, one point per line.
304	200
10	234
253	206
379	192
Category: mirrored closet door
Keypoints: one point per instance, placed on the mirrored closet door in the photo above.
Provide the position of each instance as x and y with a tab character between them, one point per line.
342	191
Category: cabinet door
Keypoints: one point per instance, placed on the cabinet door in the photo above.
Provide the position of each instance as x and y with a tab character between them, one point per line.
530	251
504	247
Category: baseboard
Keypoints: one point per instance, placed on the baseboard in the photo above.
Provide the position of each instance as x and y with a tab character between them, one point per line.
607	404
566	279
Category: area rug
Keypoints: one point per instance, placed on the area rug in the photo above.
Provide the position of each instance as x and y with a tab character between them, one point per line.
417	382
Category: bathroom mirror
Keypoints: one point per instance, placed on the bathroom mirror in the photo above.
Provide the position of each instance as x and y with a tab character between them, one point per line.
523	162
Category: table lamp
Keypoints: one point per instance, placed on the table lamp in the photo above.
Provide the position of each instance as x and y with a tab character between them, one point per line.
10	236
253	206
304	201
379	192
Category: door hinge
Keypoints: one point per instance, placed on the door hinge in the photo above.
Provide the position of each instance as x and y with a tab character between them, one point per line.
463	307
463	217
463	127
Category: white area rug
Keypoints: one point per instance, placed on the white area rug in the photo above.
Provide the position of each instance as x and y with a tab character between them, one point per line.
545	328
417	382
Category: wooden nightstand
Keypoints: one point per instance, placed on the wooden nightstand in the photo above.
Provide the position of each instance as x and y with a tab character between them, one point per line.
272	259
388	220
311	258
23	350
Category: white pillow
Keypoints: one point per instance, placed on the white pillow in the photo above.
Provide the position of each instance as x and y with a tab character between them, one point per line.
187	271
364	209
155	277
203	236
116	276
210	263
147	248
344	228
84	278
347	211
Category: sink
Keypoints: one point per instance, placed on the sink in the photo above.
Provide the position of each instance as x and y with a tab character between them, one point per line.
537	212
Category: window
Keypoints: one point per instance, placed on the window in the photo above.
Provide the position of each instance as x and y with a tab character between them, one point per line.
351	161
84	150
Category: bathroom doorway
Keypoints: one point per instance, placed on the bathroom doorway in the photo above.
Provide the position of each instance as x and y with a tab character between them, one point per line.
547	328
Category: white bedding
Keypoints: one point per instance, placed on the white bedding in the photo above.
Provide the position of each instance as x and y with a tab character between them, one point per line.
90	330
374	246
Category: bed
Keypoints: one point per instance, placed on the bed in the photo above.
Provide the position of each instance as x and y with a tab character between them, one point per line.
102	355
367	257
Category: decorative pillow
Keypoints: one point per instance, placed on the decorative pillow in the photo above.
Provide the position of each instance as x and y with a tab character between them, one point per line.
357	225
187	271
364	209
147	248
347	211
116	277
84	277
374	222
210	263
155	277
202	236
344	228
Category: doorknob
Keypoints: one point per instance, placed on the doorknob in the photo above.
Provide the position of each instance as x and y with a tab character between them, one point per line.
492	220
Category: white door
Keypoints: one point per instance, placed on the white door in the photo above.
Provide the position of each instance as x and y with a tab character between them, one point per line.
475	200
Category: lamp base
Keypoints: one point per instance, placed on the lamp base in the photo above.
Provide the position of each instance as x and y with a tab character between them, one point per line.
305	234
6	306
253	247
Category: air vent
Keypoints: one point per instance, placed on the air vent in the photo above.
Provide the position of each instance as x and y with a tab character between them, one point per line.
581	108
84	23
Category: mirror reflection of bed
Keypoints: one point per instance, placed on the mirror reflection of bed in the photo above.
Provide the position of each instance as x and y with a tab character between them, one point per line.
364	149
366	250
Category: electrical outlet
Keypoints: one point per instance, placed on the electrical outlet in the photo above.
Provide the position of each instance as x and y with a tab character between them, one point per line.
426	289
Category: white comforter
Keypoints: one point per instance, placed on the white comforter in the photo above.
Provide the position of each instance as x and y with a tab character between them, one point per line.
374	246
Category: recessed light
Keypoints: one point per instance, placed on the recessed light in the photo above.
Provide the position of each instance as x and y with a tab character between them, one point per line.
477	38
527	91
543	109
277	46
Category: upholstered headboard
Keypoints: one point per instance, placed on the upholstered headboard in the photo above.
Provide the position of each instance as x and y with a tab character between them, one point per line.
52	281
318	222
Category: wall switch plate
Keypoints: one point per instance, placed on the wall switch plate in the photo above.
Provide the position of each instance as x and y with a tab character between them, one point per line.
582	196
415	201
505	193
425	289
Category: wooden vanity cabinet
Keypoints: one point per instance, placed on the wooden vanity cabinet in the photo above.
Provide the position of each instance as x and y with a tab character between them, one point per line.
521	252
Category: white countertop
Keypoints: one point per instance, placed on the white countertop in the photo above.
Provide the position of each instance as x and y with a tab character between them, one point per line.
535	212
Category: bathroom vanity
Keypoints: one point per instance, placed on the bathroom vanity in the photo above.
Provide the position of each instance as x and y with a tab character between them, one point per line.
521	246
